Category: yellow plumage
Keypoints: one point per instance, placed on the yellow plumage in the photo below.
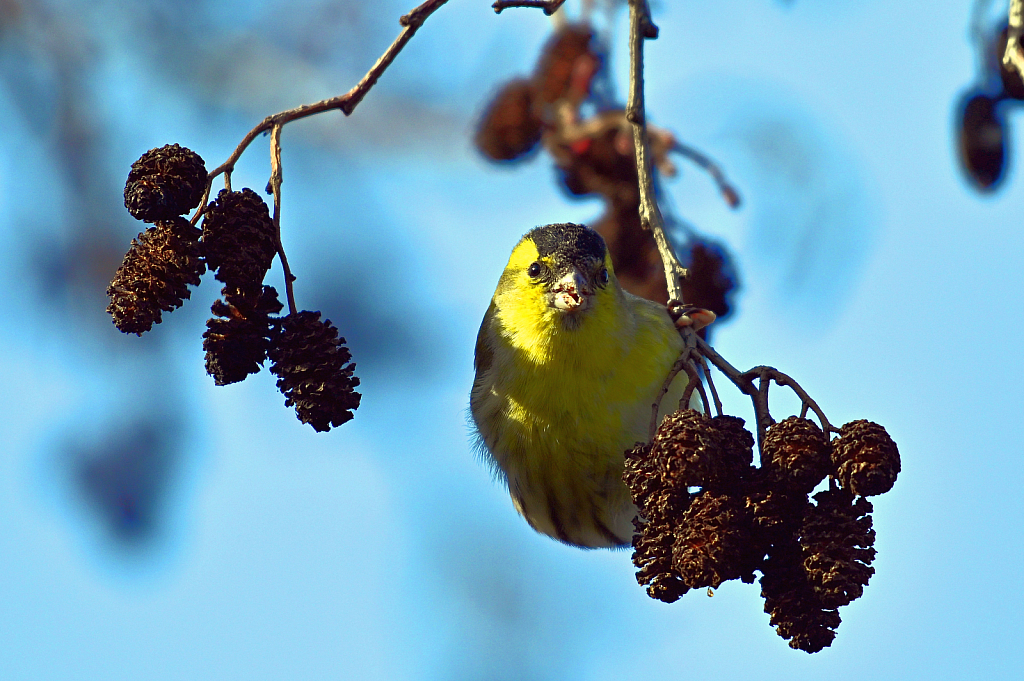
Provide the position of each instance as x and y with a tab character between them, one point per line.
568	366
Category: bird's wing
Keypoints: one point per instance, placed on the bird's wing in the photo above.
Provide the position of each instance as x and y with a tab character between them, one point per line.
484	355
482	360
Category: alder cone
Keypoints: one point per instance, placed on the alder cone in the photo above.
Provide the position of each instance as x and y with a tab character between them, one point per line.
652	555
161	263
797	454
554	73
164	183
867	460
687	449
794	609
314	372
509	128
713	542
836	541
239	238
982	141
237	339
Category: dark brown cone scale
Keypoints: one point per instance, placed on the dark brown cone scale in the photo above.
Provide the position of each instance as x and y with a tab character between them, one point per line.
314	372
164	183
867	460
239	238
797	454
161	263
836	541
237	339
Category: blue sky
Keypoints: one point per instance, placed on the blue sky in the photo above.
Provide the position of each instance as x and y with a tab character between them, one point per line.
871	272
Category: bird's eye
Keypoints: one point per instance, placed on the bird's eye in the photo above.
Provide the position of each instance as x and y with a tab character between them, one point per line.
602	276
534	270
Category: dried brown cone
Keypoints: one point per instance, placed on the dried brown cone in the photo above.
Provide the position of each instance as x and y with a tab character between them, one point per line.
161	263
713	542
558	65
239	238
509	127
314	371
237	339
654	493
164	183
777	511
652	555
660	508
867	461
837	542
797	454
794	608
601	164
689	447
737	447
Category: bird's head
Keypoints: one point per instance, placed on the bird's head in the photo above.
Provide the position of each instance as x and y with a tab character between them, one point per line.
558	274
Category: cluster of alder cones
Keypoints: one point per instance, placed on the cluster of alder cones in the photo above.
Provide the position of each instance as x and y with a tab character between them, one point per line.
982	117
595	156
707	515
238	241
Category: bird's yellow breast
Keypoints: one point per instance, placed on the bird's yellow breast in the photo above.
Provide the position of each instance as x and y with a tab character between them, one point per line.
558	404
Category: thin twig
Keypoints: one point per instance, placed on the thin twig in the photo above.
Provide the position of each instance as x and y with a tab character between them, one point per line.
788	381
803	410
694	383
729	193
762	417
274	186
549	6
673	372
711	384
641	28
346	103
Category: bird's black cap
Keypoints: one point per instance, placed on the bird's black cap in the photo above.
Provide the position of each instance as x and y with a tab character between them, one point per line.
567	242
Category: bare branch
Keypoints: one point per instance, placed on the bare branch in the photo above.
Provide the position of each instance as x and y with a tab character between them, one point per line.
729	193
346	103
274	186
711	384
549	6
676	368
641	28
694	383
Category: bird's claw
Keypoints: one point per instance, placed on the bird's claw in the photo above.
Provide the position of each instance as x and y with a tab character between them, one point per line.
694	317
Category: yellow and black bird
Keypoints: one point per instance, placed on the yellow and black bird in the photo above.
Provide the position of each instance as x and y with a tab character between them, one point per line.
568	366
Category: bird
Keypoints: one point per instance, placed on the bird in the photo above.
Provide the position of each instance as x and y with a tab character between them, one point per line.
568	366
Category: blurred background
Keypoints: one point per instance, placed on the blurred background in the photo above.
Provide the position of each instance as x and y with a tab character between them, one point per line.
155	526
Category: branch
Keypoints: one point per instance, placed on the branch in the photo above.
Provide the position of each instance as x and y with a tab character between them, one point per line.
274	187
347	102
549	6
729	193
641	28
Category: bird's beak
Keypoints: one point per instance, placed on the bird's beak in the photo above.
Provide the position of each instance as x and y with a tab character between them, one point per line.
571	292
